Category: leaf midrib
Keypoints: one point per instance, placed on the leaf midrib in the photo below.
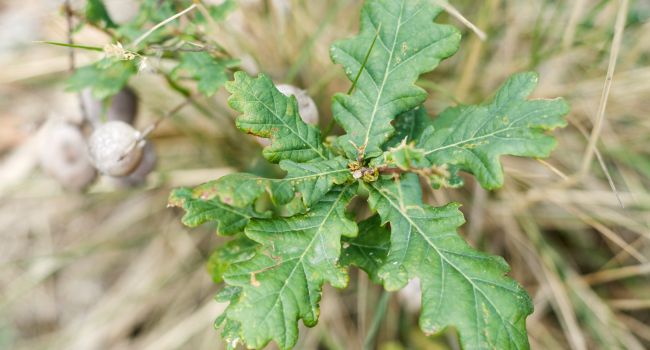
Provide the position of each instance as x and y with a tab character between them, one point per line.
511	126
386	74
315	175
438	251
295	132
302	256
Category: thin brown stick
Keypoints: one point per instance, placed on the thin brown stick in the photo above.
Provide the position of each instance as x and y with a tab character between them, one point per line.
619	28
67	8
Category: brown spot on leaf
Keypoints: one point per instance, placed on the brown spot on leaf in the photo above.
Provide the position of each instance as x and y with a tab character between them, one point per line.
254	282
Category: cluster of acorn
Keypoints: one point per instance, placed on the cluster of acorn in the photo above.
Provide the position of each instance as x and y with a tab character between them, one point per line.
114	147
105	143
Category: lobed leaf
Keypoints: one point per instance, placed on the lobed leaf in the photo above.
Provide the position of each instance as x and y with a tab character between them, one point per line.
398	42
461	287
230	220
284	284
269	114
474	137
104	78
311	180
210	72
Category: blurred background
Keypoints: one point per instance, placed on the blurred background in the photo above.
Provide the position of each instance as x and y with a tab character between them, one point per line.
113	268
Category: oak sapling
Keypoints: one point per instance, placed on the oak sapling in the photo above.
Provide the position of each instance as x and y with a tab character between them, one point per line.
121	107
275	266
63	154
116	148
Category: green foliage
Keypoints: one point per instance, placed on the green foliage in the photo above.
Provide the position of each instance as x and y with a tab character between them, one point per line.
285	249
473	137
311	180
236	251
269	114
97	14
284	284
211	73
408	44
209	66
104	78
229	220
369	249
460	286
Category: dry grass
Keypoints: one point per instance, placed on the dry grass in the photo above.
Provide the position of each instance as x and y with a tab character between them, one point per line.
115	269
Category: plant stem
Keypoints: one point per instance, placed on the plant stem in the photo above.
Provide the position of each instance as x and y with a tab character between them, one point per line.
71	55
377	319
74	46
330	125
137	41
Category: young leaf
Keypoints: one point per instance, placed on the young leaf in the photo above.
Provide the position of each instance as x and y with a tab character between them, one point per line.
461	287
369	249
104	78
230	220
285	284
311	180
210	72
407	45
474	137
268	113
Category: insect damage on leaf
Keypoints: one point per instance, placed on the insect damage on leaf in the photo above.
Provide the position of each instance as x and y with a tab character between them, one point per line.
292	235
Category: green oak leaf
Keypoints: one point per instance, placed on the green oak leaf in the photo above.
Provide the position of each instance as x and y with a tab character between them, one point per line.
242	190
230	220
210	72
369	249
461	287
269	114
284	284
474	137
311	180
408	43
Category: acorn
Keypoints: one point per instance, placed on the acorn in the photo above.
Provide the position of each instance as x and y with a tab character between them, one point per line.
306	107
63	154
116	148
123	107
139	176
